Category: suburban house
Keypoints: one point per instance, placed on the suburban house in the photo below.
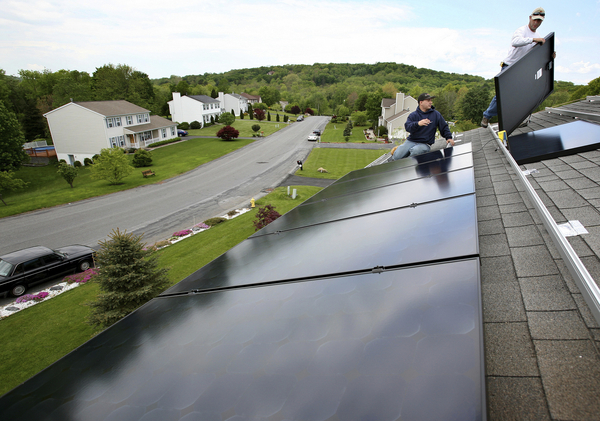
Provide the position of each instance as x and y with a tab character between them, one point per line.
81	129
252	99
189	108
233	102
394	113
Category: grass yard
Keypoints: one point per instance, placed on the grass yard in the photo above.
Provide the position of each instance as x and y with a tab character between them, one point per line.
337	162
46	188
334	133
244	127
36	337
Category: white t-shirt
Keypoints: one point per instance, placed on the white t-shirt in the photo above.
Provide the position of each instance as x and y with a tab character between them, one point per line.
522	41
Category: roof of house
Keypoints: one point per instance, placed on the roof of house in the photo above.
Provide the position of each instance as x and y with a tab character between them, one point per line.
156	122
203	98
541	341
248	96
397	115
387	102
113	108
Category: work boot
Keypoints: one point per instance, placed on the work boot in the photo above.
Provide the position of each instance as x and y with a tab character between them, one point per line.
484	122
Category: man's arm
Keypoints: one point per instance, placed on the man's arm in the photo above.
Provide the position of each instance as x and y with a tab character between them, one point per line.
445	130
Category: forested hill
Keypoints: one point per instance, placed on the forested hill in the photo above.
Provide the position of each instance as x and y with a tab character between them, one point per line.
320	74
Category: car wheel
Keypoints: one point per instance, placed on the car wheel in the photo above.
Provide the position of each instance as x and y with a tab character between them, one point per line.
85	265
18	290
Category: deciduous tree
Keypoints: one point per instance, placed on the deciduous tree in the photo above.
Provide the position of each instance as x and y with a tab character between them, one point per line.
128	275
259	114
9	182
228	133
111	165
68	172
227	118
12	154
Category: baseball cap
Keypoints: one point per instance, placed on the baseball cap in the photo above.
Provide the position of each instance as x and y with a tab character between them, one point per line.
538	13
423	97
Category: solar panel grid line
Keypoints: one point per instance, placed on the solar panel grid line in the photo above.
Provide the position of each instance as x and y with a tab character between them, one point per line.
366	271
410	205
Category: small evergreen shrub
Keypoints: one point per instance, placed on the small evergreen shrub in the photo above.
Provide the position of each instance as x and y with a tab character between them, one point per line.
142	158
211	222
77	164
87	161
183	126
195	125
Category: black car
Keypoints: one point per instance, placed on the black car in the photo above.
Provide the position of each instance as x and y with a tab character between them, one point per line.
21	269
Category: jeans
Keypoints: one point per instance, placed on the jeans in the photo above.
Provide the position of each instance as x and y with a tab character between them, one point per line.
410	148
492	110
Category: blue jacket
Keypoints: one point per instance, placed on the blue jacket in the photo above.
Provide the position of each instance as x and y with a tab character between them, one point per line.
426	134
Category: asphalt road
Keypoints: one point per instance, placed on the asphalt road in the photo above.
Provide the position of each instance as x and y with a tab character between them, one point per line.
158	210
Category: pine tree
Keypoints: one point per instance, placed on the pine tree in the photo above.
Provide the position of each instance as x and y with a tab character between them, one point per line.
128	276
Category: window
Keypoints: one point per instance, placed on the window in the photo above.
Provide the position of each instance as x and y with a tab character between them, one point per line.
142	118
146	136
113	142
117	121
113	122
129	120
32	264
121	141
109	122
52	258
164	133
172	131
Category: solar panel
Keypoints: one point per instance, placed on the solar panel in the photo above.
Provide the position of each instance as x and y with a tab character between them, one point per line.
374	346
432	231
523	85
371	194
554	142
426	165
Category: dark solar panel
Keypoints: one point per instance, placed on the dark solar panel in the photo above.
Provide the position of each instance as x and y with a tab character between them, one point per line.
364	198
524	85
554	142
375	346
449	159
432	231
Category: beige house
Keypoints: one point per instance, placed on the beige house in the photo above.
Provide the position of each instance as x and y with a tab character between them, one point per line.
394	113
252	99
81	129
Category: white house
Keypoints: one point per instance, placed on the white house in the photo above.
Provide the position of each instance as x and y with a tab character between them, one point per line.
189	108
394	113
80	130
233	102
252	99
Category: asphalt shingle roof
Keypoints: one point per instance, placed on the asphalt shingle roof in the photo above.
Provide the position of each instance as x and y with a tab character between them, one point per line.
541	340
113	108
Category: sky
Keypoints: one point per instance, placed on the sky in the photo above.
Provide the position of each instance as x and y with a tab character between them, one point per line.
190	37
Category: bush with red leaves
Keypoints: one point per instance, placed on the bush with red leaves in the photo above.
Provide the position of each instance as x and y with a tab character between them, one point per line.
265	216
228	133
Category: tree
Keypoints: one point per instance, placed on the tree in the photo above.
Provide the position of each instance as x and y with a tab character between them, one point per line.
228	133
241	114
359	118
309	111
343	111
111	82
67	172
277	118
269	95
214	94
12	154
9	182
227	118
474	102
268	116
259	114
128	275
265	216
250	111
142	158
295	109
255	128
361	101
111	165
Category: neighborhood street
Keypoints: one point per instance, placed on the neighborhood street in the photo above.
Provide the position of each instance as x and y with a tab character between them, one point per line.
158	210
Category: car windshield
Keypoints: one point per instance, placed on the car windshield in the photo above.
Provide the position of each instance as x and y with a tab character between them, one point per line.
5	268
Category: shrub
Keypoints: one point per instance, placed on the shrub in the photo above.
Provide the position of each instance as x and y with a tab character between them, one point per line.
256	127
162	243
165	142
232	212
62	161
285	118
277	118
228	133
212	119
265	216
383	130
69	173
93	158
211	222
183	126
81	278
131	150
87	161
227	119
77	164
182	233
195	125
142	158
128	275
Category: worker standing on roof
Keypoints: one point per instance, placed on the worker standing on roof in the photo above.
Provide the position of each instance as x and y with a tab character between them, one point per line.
422	125
523	40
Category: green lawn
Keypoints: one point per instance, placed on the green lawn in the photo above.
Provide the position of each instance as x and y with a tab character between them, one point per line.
337	162
46	188
244	127
334	133
36	337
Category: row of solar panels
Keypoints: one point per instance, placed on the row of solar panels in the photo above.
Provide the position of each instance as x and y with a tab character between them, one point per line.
362	303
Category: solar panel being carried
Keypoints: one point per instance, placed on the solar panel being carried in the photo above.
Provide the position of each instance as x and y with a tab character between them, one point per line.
362	306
